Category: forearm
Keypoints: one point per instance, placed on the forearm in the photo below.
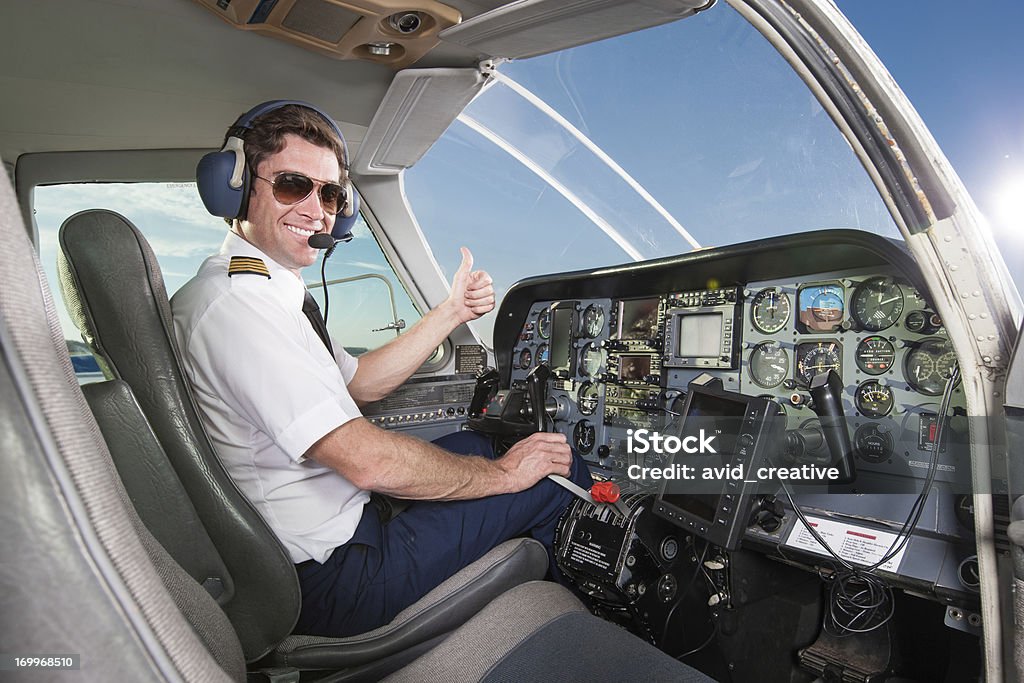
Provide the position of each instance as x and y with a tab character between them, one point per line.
405	467
384	369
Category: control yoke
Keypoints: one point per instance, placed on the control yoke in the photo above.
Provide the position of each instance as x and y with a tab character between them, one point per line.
826	391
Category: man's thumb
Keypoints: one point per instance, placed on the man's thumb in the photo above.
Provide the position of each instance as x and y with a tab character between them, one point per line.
467	260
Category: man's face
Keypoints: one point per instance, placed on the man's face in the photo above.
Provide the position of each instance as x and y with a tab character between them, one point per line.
281	230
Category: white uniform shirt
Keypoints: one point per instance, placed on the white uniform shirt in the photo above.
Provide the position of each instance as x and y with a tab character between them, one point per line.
268	389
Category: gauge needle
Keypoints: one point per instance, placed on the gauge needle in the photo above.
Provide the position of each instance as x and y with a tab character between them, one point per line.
888	301
777	367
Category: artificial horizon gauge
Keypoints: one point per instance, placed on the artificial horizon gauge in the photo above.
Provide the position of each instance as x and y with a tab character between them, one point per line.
769	364
821	307
543	354
587	398
817	357
544	323
874	399
592	323
583	437
525	359
929	365
591	359
769	310
875	355
877	303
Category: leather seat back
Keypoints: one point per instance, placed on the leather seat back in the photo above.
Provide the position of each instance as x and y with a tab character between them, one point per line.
115	293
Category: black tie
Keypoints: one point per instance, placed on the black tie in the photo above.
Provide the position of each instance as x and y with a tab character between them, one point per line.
312	311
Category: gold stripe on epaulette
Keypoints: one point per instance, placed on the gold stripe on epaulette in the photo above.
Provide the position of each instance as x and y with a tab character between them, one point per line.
248	265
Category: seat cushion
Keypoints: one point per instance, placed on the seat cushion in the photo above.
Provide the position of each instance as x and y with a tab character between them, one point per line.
441	610
539	631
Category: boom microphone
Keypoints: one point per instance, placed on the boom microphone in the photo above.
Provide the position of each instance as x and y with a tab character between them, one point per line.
322	240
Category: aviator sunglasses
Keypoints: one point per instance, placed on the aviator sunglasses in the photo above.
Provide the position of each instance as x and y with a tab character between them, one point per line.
292	188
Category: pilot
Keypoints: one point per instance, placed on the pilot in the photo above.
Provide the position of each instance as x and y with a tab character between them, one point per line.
281	403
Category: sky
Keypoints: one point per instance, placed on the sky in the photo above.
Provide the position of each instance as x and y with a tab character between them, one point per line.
961	64
706	116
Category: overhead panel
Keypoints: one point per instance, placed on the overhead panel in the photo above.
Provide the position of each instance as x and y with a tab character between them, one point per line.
534	27
392	32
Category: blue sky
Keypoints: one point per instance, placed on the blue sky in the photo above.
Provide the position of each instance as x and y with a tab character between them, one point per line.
705	115
962	66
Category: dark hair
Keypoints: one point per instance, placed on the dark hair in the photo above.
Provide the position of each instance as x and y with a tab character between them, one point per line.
266	135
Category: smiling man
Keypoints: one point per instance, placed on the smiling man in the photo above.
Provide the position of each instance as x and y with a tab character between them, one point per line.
281	403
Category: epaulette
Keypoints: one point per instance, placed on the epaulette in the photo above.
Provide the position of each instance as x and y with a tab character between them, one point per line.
248	265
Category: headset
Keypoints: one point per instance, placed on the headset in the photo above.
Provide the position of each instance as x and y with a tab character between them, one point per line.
224	178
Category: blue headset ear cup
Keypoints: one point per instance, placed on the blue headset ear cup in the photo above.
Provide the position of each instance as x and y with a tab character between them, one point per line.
343	224
213	179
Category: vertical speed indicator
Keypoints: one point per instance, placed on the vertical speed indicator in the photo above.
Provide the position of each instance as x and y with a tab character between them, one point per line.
770	310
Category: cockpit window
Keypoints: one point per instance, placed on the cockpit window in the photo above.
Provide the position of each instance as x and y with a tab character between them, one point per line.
694	134
366	296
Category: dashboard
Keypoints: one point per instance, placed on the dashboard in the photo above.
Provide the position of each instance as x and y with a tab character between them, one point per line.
624	343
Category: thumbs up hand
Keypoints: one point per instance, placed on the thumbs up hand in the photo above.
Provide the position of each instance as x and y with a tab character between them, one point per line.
472	291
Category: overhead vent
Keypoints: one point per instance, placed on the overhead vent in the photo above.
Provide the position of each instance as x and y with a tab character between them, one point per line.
391	32
535	27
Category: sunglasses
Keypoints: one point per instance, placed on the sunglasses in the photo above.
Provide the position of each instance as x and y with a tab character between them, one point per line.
292	188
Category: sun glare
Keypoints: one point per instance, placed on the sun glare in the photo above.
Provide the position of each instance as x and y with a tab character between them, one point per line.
1009	206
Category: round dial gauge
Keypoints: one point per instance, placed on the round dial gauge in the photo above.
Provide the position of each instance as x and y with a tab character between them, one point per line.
543	354
929	365
587	398
872	443
591	359
769	310
875	355
593	321
544	323
873	399
525	359
877	303
917	321
821	307
583	437
815	357
769	364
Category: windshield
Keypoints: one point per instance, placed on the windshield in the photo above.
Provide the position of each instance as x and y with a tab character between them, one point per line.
694	134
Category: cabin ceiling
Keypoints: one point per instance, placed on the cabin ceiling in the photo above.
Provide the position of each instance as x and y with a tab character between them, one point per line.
82	75
152	74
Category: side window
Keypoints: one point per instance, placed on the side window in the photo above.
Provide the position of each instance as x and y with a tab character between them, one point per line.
365	294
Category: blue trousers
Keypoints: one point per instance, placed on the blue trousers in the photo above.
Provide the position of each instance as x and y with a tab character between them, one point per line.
383	569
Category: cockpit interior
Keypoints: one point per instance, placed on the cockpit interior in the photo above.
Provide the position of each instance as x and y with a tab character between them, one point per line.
800	410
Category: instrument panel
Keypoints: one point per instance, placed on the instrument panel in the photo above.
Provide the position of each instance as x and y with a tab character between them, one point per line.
765	318
621	364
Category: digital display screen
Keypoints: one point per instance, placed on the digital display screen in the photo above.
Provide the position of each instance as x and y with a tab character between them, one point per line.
702	505
634	367
716	415
638	319
561	337
700	335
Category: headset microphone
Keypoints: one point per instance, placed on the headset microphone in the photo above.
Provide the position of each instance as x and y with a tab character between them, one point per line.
322	240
